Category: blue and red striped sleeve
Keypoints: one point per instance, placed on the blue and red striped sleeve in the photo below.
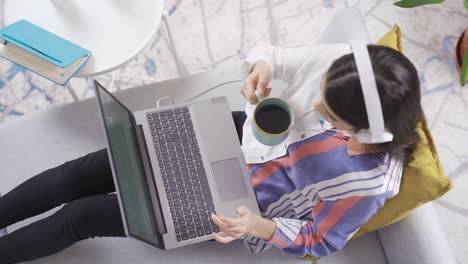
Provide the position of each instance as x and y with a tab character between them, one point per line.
334	223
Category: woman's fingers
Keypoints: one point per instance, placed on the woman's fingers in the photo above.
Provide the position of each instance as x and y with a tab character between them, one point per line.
242	210
255	82
249	87
222	239
234	235
229	225
233	230
250	92
262	84
232	221
218	221
224	223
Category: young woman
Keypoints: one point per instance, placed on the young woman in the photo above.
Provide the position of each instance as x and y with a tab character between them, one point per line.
314	191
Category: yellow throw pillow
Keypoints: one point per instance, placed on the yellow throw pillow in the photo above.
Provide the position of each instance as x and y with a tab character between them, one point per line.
423	179
392	39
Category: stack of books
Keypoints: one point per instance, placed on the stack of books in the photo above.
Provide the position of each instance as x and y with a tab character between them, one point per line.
41	51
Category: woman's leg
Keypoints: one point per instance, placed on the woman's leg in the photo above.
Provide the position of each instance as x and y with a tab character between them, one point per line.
88	175
87	217
93	216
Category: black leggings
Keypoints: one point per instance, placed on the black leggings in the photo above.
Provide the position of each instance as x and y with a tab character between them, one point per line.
85	186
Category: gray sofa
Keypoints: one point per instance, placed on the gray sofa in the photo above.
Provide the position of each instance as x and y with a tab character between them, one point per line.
38	141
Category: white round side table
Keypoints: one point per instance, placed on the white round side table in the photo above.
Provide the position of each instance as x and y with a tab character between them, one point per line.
115	31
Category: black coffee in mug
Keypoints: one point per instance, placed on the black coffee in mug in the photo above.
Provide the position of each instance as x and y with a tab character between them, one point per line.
273	119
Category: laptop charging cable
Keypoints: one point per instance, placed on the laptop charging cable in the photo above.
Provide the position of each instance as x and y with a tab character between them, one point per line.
158	102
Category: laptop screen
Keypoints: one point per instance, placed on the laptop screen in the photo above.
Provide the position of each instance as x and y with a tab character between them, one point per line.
128	168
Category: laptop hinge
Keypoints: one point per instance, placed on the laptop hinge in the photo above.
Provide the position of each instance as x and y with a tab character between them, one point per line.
150	179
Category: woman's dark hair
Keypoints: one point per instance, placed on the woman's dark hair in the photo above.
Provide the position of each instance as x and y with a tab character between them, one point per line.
400	96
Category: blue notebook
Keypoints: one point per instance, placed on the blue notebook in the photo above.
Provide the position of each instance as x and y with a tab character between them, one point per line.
41	51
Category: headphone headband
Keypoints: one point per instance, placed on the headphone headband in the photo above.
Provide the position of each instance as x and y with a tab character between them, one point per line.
377	132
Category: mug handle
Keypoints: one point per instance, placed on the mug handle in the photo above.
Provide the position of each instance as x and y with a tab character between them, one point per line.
260	97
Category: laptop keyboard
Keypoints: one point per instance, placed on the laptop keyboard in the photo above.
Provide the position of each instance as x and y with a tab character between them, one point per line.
183	174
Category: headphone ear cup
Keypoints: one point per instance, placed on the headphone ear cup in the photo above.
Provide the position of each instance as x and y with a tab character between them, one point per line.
387	136
365	136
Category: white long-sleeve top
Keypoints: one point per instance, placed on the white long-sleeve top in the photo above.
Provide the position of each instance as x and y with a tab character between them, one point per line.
302	68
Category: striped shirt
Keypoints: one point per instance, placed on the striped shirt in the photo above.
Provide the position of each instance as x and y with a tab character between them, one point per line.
319	195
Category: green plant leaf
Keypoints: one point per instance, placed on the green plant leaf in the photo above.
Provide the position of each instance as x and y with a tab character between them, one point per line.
464	70
466	4
415	3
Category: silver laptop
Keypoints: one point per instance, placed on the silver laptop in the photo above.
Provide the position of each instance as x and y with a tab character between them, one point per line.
174	166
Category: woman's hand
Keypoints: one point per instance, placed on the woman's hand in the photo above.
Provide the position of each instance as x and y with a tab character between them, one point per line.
257	80
247	223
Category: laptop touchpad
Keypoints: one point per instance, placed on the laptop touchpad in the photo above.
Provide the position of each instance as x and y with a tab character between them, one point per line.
229	179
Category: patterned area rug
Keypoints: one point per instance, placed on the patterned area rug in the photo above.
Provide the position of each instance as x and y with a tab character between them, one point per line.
214	33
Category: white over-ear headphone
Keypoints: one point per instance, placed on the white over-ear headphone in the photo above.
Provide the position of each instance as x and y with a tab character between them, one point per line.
377	133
